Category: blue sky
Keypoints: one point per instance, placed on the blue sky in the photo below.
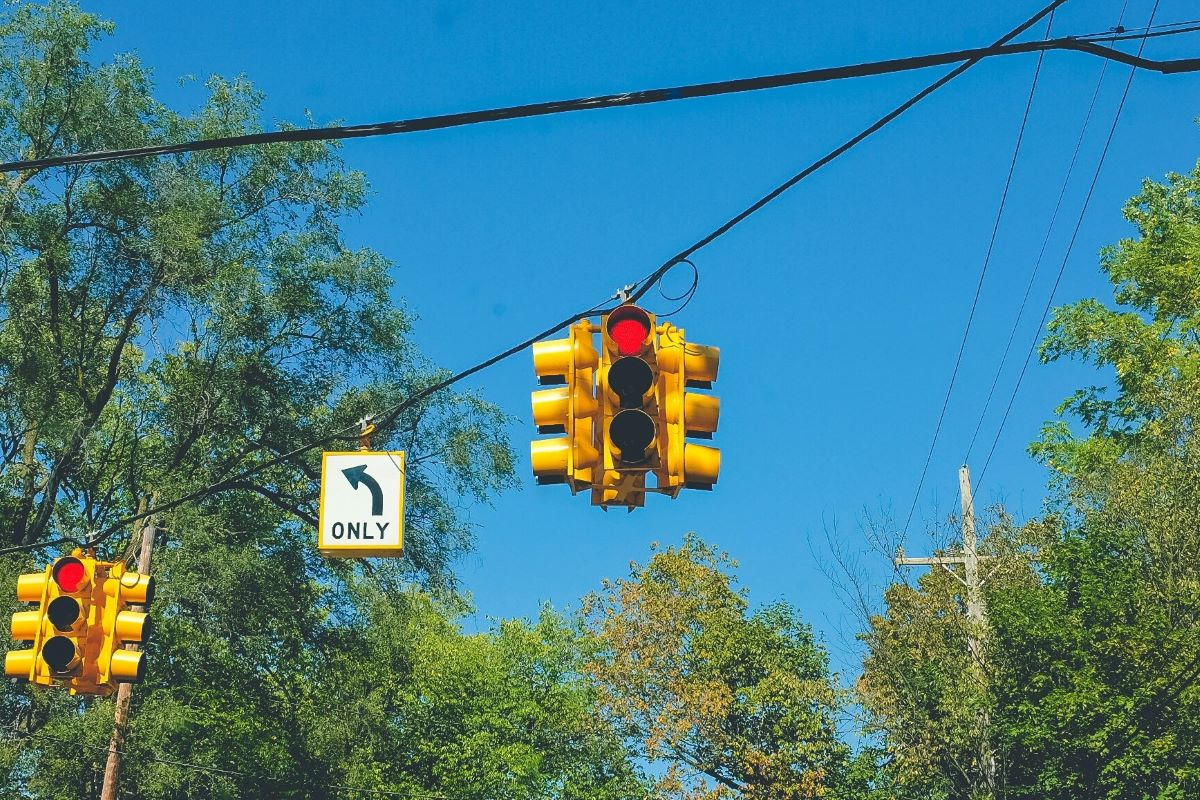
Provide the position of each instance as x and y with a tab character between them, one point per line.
838	309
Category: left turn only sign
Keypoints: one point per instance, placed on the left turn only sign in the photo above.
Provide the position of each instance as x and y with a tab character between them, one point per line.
362	504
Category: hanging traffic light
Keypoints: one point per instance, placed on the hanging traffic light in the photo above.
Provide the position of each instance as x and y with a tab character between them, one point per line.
684	365
569	409
120	625
625	412
628	375
28	626
80	625
59	627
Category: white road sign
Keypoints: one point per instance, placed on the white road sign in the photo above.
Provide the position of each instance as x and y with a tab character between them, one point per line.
362	504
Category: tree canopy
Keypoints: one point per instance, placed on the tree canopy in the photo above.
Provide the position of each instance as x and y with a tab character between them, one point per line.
1093	649
743	699
168	324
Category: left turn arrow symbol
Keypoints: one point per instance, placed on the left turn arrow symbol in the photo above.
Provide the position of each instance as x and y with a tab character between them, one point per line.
357	475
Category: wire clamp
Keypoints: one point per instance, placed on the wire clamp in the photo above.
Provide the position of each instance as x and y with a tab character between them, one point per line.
624	292
364	435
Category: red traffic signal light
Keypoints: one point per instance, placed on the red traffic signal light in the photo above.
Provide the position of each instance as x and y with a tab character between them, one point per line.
629	328
67	614
69	573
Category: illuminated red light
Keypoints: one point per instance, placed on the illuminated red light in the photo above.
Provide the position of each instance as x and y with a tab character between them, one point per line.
629	335
628	327
69	574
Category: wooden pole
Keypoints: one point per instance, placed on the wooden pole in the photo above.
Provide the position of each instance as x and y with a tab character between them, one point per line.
968	558
977	622
116	744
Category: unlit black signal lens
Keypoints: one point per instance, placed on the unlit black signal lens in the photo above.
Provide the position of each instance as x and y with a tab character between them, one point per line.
632	431
59	652
630	379
63	612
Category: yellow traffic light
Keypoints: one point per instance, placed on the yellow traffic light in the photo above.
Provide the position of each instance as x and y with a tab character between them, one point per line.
628	407
28	626
569	409
59	629
120	625
625	412
80	625
684	365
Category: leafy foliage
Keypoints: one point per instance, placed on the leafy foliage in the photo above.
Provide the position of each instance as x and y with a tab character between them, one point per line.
743	698
166	324
171	323
1092	659
927	694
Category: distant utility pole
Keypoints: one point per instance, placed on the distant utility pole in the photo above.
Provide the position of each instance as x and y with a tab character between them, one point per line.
112	767
968	558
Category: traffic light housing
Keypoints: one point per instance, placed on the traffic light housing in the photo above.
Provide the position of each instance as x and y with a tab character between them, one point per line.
625	412
686	365
569	409
28	626
630	411
122	625
80	624
59	629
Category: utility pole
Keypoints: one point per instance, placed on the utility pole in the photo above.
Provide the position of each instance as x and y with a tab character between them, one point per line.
112	767
968	558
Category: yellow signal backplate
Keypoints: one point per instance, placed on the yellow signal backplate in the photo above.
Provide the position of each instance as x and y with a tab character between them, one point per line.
569	409
619	485
29	626
684	365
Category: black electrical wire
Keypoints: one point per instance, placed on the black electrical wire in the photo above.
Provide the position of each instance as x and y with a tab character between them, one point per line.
987	260
261	779
1120	32
685	298
1012	334
1141	36
653	278
643	97
1066	257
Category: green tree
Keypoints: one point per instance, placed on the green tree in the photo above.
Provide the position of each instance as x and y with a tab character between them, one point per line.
1098	690
735	703
929	699
509	715
173	322
1092	657
1149	343
169	323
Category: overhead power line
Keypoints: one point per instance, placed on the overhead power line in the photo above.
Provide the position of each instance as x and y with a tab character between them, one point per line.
642	97
1066	257
641	287
645	284
1121	33
987	260
1037	265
